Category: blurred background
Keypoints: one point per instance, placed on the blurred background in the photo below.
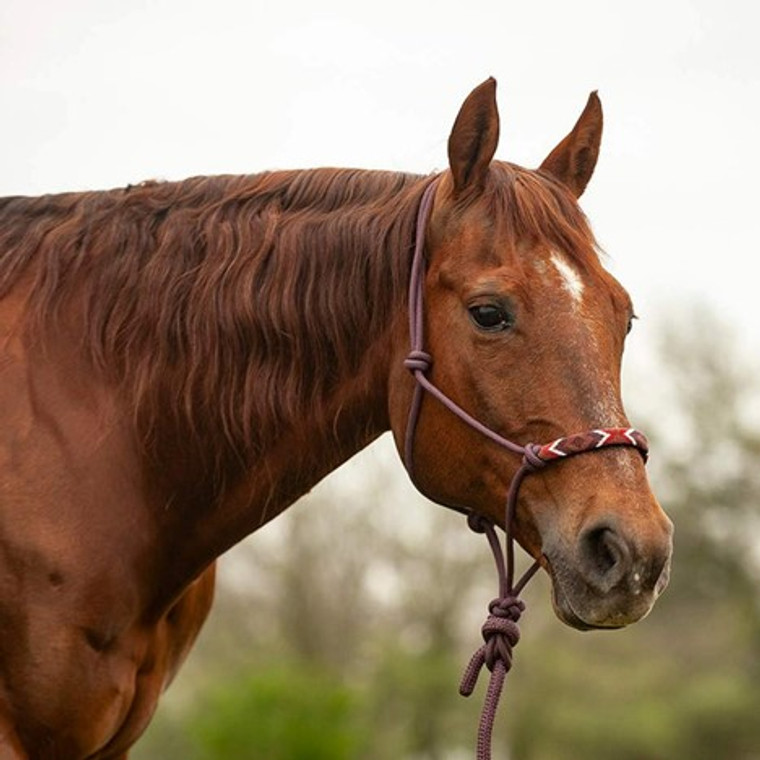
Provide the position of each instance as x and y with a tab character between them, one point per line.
340	630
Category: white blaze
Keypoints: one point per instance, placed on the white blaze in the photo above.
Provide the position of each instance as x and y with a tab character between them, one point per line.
571	279
604	404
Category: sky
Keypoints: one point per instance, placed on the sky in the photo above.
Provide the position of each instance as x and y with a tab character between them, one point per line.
102	93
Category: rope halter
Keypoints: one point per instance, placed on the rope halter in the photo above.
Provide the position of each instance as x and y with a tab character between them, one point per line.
500	631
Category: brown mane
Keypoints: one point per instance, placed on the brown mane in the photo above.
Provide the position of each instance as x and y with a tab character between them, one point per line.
230	303
535	207
222	284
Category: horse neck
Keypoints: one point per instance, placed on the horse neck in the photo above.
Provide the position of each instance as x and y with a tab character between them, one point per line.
308	448
313	389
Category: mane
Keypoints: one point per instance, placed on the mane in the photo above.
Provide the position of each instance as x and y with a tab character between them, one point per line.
228	306
229	303
533	206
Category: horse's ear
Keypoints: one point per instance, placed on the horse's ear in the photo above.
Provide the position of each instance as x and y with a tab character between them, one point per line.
474	137
572	162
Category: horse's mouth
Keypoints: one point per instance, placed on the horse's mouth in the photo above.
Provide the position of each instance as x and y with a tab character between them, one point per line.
584	613
563	609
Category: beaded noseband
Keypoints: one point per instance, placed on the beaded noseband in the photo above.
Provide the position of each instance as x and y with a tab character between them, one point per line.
500	631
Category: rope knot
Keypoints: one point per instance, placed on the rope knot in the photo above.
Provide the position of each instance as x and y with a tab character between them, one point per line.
478	523
418	361
507	607
531	459
500	634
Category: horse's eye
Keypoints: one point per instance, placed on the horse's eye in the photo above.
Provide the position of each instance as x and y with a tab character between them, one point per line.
490	317
630	323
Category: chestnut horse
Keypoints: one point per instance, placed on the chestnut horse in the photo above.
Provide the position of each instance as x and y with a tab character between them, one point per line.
180	361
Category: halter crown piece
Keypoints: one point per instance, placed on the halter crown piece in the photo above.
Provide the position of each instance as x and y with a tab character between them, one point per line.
500	631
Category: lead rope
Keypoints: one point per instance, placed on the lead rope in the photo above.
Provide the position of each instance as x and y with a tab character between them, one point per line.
500	631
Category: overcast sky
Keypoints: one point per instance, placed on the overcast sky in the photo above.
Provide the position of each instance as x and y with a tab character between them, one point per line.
101	93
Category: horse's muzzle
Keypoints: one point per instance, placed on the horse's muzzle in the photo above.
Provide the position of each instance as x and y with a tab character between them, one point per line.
608	580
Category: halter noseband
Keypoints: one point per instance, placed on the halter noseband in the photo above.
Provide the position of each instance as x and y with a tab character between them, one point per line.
500	631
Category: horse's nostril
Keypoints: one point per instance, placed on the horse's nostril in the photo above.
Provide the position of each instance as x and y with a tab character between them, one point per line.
605	557
603	549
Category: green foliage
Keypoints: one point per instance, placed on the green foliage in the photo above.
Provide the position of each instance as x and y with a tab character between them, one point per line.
407	707
416	707
282	713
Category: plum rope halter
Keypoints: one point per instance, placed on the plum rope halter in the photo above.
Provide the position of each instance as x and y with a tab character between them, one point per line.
500	631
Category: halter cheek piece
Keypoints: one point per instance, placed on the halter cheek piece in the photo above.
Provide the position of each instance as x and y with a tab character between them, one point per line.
500	631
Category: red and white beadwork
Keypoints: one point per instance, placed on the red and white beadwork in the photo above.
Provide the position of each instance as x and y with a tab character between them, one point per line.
592	440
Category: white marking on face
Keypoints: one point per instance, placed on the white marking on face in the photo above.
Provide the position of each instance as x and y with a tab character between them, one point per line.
571	279
603	405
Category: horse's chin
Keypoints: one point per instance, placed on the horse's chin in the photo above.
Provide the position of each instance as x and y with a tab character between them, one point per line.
583	616
566	614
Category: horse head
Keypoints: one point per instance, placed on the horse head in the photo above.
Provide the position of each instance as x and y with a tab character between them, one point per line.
526	331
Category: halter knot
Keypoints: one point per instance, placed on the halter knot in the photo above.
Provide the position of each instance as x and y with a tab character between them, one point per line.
531	458
478	523
500	634
500	631
418	361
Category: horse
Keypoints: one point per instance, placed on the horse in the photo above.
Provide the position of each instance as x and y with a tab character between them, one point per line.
181	361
